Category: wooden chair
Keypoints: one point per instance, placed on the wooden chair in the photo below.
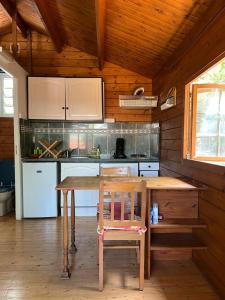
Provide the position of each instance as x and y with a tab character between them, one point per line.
115	171
122	227
112	171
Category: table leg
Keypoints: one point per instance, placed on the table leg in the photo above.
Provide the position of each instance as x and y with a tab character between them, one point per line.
148	238
66	272
73	247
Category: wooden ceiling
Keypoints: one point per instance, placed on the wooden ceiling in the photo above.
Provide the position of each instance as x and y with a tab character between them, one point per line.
140	35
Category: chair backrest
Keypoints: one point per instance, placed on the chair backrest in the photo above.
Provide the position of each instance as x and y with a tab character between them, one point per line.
122	188
115	171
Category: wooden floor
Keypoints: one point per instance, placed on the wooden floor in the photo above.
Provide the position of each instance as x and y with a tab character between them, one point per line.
30	266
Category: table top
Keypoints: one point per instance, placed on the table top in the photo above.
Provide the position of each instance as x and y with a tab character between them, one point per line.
92	183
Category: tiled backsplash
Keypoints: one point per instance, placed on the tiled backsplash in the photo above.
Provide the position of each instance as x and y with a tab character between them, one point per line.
139	138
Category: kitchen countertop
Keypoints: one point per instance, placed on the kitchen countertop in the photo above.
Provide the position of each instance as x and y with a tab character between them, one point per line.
90	160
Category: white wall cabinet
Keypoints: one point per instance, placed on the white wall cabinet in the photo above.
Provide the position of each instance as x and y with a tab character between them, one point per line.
46	98
78	99
84	99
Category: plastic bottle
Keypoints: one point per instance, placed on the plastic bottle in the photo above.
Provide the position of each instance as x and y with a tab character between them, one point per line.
151	216
155	213
98	151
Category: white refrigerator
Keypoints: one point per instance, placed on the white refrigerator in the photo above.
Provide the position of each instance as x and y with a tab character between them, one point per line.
39	194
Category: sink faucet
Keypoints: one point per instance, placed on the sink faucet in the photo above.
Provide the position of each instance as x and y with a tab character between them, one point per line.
68	152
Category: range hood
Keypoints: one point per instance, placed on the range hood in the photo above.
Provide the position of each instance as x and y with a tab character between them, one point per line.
133	101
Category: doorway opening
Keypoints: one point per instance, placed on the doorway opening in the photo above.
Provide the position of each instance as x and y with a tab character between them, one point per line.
7	163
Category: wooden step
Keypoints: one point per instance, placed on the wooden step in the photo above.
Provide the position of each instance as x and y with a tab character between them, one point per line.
180	223
175	241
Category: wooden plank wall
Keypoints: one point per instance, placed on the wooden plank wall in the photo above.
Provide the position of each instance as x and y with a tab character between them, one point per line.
6	138
72	62
210	47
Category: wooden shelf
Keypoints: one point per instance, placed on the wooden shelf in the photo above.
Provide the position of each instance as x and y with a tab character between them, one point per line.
179	223
175	241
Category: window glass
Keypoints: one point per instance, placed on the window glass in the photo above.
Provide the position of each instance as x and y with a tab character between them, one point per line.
6	95
210	121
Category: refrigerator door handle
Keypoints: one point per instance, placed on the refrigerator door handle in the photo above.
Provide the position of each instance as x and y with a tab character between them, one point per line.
39	171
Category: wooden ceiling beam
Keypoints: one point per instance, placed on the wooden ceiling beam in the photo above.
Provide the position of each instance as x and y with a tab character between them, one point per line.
211	16
11	10
5	30
100	10
49	23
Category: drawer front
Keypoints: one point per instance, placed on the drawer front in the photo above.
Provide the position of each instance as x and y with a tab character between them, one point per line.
148	166
149	173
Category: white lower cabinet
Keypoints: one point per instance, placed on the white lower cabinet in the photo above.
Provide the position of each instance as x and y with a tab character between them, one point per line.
85	201
149	169
149	173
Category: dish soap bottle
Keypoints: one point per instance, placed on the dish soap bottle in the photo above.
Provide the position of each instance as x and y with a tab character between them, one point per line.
98	151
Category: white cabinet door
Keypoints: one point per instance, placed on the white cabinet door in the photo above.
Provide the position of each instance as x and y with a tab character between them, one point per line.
46	98
85	201
84	99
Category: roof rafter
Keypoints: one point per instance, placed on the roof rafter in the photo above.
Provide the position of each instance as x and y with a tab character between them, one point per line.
11	10
49	23
100	6
211	16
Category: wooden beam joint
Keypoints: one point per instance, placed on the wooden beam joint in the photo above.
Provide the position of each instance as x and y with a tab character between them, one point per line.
12	12
50	24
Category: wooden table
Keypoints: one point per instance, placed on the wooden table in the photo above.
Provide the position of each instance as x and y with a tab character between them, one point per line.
70	184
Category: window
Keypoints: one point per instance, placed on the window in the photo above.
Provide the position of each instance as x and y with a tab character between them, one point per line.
205	116
6	96
208	122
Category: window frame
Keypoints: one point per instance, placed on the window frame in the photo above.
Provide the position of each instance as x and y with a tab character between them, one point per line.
193	120
2	114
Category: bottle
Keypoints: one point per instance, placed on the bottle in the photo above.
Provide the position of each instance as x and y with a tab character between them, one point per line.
98	151
155	213
151	216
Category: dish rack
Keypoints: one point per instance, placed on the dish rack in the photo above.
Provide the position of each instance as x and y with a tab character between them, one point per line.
50	149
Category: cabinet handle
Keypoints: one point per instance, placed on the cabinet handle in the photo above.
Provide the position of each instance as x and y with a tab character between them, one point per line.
67	107
142	175
63	107
149	166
